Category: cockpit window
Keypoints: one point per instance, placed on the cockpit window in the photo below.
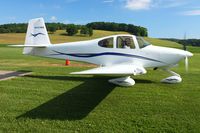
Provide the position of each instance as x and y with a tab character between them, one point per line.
107	43
141	42
125	42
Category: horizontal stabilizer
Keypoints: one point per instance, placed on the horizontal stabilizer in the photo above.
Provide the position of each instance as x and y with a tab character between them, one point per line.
30	46
127	69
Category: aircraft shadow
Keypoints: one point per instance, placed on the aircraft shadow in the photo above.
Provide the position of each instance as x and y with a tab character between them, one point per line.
83	78
143	81
74	104
64	78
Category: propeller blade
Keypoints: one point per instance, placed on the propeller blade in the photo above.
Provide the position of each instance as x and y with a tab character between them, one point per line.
186	64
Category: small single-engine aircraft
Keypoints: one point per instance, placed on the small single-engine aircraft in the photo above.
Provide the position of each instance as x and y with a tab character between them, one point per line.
117	55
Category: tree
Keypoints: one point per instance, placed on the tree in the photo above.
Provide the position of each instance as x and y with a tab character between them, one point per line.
111	26
52	29
71	29
3	30
84	30
90	31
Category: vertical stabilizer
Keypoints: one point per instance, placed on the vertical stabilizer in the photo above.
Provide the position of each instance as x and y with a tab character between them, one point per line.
36	35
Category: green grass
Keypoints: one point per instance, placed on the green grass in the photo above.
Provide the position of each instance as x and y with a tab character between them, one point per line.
51	100
164	43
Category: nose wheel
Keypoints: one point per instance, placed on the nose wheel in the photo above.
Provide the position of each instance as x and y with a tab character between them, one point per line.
175	78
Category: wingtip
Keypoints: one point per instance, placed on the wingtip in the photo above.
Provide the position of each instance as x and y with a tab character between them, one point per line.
15	45
73	73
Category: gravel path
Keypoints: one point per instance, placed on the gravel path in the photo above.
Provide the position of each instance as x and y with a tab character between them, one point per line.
5	75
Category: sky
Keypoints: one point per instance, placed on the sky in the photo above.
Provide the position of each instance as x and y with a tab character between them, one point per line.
162	18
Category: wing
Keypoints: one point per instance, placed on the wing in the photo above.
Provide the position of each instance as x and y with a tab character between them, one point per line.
126	69
31	46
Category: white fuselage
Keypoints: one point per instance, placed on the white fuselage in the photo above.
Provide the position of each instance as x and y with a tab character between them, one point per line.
91	52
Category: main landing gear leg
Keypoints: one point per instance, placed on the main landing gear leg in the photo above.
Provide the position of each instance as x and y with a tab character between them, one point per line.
176	78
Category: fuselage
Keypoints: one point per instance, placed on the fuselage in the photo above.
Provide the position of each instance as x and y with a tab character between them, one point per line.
94	52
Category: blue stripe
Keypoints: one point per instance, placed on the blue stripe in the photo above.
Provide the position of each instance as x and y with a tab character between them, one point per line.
88	55
35	35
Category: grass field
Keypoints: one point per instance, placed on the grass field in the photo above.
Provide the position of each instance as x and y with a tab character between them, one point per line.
51	100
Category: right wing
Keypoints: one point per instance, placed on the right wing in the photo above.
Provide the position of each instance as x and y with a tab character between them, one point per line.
122	69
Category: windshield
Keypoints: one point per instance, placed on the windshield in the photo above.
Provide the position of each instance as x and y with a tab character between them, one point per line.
141	42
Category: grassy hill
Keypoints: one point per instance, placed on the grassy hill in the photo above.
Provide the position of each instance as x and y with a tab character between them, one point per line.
60	37
52	100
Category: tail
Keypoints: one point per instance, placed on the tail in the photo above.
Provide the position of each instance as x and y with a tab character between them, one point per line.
36	36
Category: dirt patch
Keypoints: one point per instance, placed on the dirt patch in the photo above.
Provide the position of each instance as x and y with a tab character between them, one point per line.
5	75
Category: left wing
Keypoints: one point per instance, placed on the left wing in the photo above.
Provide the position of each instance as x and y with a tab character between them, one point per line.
123	69
29	45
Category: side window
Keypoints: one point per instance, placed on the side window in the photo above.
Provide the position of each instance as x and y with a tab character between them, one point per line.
125	42
106	43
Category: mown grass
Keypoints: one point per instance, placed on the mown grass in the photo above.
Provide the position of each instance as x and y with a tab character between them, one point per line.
51	100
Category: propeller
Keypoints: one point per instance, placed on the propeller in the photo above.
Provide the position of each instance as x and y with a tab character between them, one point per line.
186	64
187	55
186	58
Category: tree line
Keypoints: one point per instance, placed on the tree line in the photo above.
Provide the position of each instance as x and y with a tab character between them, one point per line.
111	26
187	42
13	28
72	29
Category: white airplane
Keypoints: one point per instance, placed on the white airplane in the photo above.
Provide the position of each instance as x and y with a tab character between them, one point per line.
118	55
